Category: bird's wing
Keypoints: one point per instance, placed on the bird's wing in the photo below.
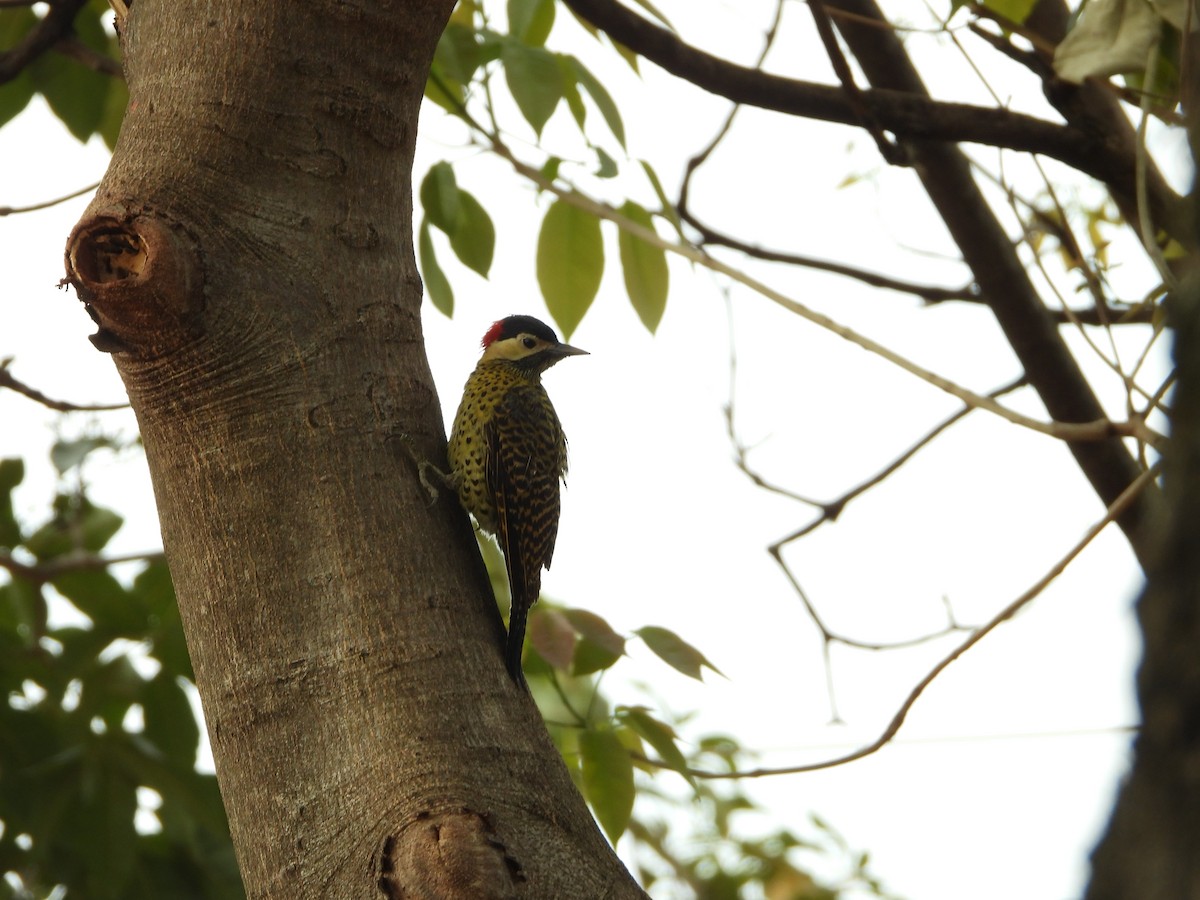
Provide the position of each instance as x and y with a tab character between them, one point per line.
525	462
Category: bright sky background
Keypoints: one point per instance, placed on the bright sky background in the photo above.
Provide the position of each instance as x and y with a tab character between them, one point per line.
1004	774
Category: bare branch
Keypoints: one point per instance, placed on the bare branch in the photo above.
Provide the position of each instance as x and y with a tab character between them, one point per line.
908	116
98	62
892	152
54	26
1113	512
8	380
927	292
1097	430
10	210
834	508
40	573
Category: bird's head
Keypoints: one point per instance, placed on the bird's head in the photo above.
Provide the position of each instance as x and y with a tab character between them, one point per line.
526	341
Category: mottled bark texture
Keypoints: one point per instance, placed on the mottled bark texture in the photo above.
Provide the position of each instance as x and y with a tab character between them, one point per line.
248	259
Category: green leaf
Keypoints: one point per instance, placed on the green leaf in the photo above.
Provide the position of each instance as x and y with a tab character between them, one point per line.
1111	36
443	90
591	657
474	241
660	736
101	597
675	651
607	167
77	94
14	95
458	53
1016	11
668	208
66	455
23	610
86	528
437	286
153	590
654	11
601	97
570	263
549	169
628	55
534	78
607	780
644	266
12	472
530	21
574	100
99	524
440	197
170	724
596	629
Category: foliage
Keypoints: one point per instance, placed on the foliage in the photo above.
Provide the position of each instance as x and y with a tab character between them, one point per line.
570	251
86	100
99	792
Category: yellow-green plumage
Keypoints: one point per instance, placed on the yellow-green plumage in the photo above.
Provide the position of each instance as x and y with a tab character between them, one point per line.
508	456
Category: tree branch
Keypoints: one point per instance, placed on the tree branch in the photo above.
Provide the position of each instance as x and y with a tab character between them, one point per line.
946	176
927	292
906	115
54	26
41	572
45	204
8	380
1076	431
1114	512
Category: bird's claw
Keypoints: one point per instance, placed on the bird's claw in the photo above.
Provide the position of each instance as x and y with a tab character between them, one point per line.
424	466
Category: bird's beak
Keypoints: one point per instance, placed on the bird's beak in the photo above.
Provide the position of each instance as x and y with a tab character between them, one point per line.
568	350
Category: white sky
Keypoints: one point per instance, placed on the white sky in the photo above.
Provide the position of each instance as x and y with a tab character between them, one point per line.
1004	773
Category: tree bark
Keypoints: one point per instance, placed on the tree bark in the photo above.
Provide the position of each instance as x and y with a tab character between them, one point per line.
1149	849
249	261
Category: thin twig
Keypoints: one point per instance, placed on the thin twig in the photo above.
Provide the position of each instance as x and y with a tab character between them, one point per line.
696	161
832	509
931	294
893	153
1098	430
1117	507
8	380
10	210
41	572
74	48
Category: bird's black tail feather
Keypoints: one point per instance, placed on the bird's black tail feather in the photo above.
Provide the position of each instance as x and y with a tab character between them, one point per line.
516	641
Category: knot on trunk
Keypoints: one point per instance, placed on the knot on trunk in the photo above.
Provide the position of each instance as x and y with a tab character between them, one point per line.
140	280
451	855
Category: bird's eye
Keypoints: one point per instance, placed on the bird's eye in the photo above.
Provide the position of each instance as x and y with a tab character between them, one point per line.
529	343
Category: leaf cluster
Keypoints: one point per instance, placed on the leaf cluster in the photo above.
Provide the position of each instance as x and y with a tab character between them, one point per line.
96	710
87	100
570	259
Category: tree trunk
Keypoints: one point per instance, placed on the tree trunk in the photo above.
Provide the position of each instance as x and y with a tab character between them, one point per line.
249	260
1151	850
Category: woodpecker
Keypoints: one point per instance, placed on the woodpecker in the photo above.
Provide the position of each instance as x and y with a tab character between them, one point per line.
508	455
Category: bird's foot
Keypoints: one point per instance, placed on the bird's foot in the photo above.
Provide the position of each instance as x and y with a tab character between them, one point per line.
425	469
